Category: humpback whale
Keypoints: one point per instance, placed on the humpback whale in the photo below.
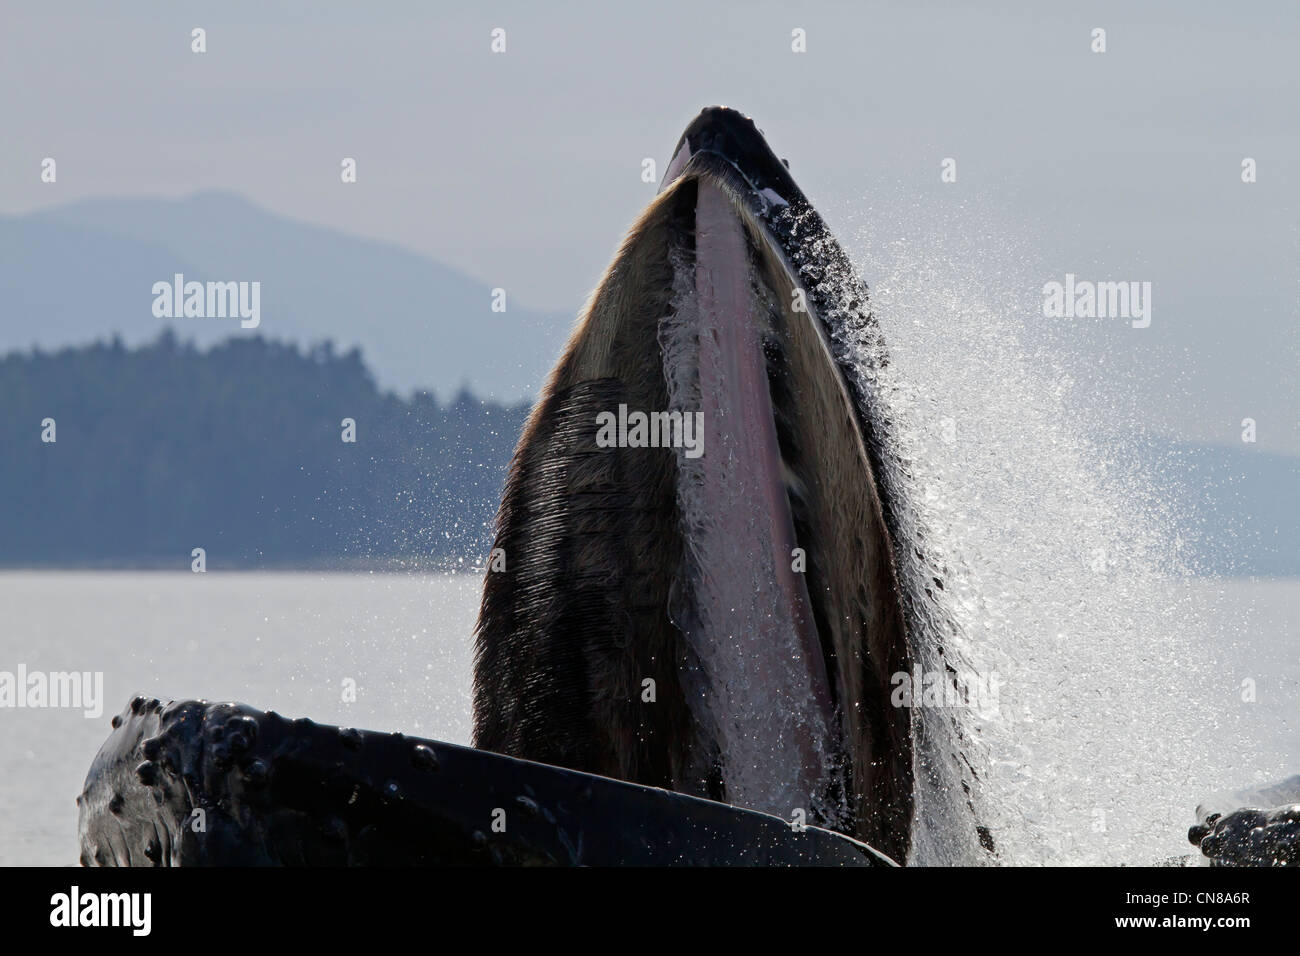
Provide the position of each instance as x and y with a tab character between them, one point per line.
697	586
706	578
1254	827
723	625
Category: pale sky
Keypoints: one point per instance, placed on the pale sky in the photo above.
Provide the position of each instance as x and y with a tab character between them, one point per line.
523	169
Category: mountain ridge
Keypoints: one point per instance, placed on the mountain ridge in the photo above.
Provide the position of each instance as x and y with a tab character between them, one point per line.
86	269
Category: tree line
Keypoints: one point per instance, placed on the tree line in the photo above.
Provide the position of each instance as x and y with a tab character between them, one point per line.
134	457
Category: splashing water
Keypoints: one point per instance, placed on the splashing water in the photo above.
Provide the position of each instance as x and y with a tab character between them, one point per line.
1063	578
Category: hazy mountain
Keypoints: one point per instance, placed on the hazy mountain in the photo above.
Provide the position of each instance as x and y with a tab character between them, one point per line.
1241	506
85	271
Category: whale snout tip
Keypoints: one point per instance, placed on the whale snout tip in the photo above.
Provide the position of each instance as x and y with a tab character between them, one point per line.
717	124
725	114
733	137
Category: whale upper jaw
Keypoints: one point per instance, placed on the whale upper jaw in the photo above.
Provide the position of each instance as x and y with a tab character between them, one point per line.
723	624
731	137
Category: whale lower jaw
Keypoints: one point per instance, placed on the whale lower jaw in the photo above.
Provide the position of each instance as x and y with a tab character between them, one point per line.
720	616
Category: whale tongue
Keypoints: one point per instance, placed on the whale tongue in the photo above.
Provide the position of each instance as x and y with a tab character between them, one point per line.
765	692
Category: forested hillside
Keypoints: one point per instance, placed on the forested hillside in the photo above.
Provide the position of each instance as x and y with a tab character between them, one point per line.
239	450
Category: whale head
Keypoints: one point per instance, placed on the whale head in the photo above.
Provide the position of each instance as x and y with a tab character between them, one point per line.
694	581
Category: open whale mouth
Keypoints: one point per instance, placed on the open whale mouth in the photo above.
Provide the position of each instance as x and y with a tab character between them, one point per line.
694	584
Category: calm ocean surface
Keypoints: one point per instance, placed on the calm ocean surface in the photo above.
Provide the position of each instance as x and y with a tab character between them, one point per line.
278	641
288	641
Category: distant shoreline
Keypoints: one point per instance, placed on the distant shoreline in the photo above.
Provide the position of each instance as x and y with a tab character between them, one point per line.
416	567
421	565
